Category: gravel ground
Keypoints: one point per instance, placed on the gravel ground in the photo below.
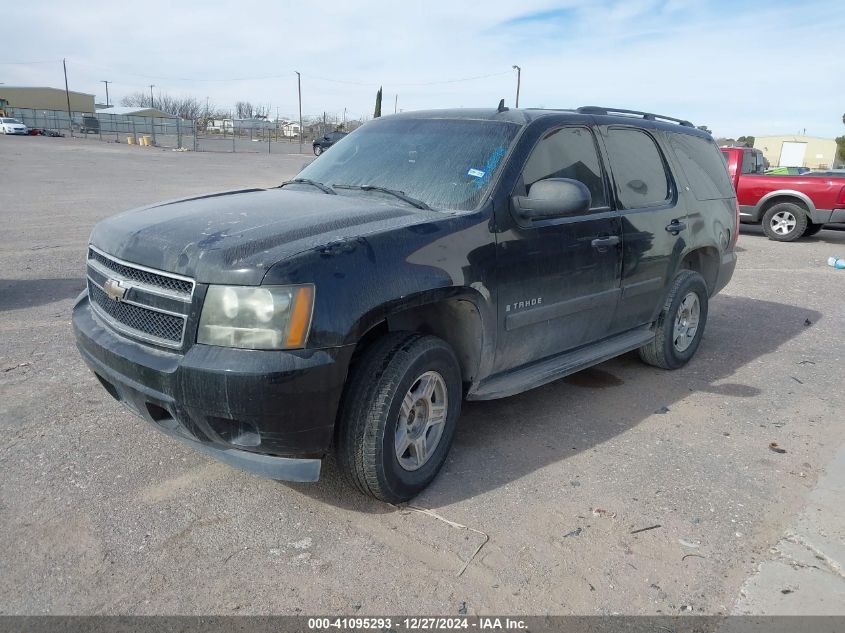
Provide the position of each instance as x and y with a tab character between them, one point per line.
100	513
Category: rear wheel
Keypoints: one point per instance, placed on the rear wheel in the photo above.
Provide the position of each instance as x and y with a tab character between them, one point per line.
812	229
785	222
398	415
680	324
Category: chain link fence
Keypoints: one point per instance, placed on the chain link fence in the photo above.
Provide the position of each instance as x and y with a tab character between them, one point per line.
157	131
246	136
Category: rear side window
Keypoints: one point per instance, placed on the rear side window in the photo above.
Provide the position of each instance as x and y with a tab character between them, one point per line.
638	169
753	163
703	166
568	152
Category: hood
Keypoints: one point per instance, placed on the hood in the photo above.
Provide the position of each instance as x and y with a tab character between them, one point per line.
235	237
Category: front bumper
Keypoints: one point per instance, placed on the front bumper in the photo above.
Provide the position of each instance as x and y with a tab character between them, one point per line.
268	412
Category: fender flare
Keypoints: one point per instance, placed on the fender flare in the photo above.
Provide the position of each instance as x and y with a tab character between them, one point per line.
787	193
483	307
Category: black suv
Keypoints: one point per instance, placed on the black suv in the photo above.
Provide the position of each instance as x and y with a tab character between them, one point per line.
428	258
323	143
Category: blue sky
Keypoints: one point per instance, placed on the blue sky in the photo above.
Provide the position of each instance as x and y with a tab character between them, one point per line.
739	67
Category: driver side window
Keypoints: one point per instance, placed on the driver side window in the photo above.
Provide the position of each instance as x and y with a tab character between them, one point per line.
567	152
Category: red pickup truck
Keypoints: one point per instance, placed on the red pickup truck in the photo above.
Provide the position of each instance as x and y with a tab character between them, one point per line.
788	207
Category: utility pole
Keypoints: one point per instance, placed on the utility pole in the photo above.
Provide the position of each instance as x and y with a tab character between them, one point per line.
67	96
518	78
107	90
299	90
152	103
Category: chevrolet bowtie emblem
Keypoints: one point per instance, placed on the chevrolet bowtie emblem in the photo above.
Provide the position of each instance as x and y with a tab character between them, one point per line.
114	290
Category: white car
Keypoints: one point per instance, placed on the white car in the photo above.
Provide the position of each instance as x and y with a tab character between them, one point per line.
12	126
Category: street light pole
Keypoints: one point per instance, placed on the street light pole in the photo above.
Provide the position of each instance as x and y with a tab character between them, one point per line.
107	90
152	103
518	78
299	90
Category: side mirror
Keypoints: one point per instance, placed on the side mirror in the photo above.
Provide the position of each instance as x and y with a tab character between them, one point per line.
552	198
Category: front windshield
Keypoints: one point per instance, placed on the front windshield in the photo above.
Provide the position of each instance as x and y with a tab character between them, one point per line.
12	121
445	163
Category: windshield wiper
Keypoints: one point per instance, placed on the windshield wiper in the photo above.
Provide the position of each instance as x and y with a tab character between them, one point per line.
419	204
313	183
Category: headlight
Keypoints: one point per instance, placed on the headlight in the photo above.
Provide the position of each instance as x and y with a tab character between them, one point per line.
256	317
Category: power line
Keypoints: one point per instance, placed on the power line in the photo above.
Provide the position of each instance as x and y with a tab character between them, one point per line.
267	77
48	61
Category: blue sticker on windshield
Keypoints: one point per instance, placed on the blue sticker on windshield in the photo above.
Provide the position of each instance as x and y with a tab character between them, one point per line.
492	163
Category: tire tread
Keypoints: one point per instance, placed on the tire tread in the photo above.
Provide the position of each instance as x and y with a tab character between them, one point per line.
365	406
653	352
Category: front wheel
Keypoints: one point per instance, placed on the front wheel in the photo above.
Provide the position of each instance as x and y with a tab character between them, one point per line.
680	324
398	415
785	222
317	150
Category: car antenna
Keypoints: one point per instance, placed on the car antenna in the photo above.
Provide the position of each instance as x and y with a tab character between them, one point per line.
502	107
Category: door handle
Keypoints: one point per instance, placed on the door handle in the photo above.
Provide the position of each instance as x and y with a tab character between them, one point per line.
676	226
604	242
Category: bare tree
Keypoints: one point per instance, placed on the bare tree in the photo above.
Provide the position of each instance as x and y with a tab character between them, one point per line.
136	100
244	110
183	107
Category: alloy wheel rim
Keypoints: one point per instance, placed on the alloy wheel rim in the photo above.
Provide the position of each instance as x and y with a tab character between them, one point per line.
783	222
422	419
686	322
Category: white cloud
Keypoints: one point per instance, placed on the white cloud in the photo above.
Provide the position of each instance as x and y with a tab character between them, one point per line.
741	68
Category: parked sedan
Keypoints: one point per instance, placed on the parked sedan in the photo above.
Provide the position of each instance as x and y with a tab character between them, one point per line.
12	126
322	144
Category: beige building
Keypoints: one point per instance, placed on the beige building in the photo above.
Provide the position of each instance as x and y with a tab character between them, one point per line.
39	98
797	151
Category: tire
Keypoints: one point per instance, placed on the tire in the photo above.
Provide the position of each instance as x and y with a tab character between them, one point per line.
785	222
669	349
376	403
812	229
317	150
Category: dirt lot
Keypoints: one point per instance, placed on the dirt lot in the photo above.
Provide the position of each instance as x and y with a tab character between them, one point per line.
99	513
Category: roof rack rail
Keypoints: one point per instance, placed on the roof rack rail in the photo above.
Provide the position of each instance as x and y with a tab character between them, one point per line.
648	116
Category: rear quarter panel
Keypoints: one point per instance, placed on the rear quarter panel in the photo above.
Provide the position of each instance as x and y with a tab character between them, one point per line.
710	222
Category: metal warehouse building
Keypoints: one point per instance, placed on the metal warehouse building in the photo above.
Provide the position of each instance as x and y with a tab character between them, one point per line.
797	151
41	98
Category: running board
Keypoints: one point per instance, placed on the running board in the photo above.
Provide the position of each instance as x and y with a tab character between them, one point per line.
551	369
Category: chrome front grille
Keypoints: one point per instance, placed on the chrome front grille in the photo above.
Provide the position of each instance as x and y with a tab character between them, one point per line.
141	275
139	302
138	319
